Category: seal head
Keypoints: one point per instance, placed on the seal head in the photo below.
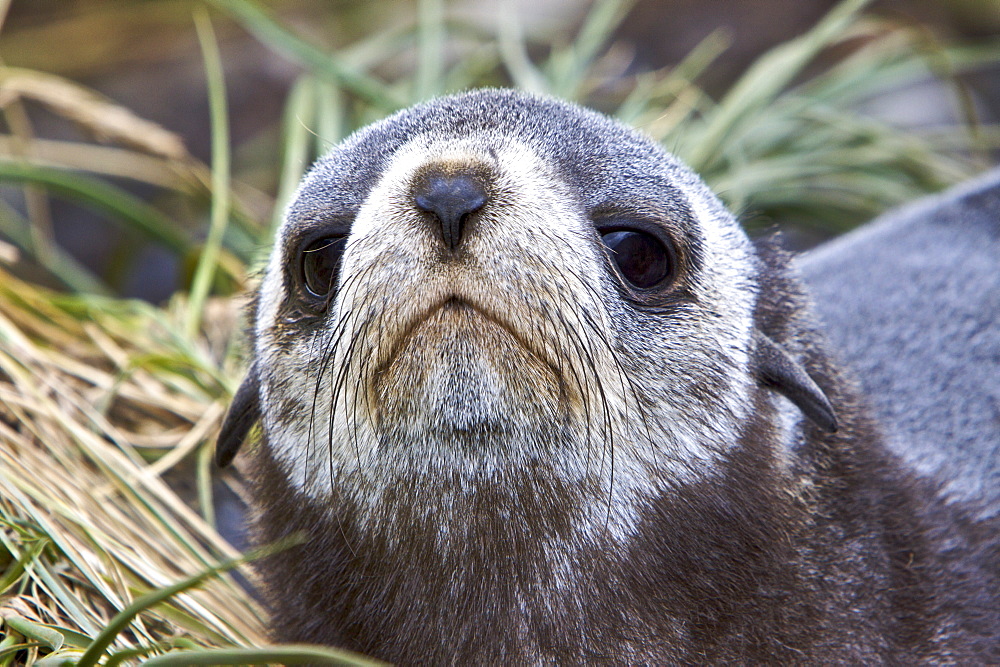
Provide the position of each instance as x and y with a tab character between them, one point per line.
495	276
517	368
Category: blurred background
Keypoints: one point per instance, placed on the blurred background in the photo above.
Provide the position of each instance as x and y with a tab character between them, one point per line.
106	146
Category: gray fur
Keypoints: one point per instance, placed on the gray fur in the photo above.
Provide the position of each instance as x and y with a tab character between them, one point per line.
503	451
912	302
569	134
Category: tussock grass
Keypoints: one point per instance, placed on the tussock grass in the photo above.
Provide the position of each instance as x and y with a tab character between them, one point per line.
102	400
92	417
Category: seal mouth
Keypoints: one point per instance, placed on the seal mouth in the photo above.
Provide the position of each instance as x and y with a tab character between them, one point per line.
459	369
453	307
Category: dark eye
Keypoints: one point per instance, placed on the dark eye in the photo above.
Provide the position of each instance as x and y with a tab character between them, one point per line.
321	264
642	259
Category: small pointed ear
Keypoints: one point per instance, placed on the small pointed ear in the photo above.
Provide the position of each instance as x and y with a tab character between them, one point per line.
243	413
778	371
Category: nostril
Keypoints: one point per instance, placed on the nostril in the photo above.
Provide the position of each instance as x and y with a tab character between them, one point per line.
450	199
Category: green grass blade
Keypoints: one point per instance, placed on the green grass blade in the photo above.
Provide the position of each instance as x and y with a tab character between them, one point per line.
63	658
330	117
296	132
514	53
765	79
206	454
568	67
16	569
290	654
10	646
70	603
316	60
122	206
656	89
52	639
56	261
476	68
430	49
205	272
126	655
122	619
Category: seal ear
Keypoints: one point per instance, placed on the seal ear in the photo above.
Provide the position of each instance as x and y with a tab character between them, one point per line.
778	371
243	413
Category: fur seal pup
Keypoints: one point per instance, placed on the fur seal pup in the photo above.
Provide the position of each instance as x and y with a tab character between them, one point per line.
534	397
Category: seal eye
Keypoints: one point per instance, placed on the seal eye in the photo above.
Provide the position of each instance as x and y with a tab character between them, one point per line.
320	264
641	258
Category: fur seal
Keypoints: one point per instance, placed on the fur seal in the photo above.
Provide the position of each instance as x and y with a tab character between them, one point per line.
535	397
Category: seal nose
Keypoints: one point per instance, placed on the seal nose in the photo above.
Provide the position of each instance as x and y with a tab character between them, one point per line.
450	199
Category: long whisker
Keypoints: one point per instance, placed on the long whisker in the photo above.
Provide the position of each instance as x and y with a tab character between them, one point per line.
358	333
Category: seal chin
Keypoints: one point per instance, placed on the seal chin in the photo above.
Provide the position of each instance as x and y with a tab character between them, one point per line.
460	371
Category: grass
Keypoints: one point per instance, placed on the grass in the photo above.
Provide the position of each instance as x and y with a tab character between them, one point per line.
103	400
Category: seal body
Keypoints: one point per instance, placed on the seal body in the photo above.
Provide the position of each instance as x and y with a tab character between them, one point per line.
530	395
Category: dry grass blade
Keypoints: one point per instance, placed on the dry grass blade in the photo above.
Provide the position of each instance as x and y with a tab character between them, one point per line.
71	478
108	161
104	118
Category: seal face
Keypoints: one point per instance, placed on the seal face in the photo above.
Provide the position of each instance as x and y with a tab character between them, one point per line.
509	337
515	365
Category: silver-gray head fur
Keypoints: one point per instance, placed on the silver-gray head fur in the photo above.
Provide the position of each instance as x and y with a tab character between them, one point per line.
535	413
547	351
